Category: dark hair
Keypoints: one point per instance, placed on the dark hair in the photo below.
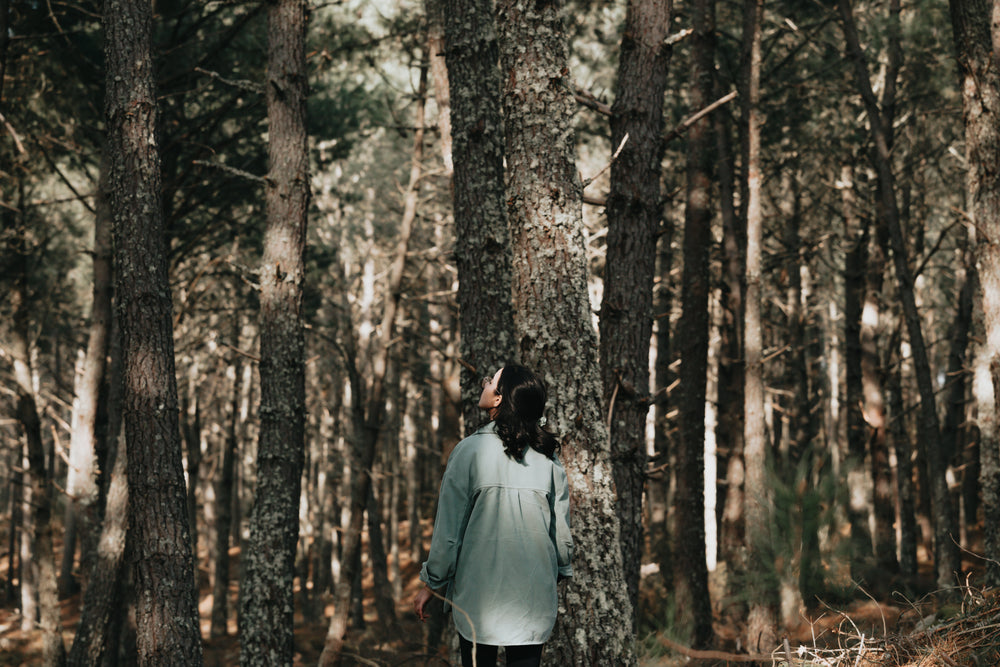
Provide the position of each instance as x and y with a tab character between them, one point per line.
522	402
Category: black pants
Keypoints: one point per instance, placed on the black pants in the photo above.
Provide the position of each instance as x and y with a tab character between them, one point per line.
529	655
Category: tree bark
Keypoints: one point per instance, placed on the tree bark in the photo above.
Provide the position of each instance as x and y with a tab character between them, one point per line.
690	567
482	234
552	321
976	27
929	431
762	619
634	214
267	607
166	607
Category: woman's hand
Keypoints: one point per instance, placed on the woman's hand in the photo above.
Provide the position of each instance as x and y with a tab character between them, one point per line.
420	601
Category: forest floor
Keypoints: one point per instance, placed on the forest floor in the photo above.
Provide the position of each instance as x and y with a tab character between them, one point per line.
887	629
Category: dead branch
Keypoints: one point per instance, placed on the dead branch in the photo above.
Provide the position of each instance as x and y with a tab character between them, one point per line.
614	157
587	99
694	118
260	180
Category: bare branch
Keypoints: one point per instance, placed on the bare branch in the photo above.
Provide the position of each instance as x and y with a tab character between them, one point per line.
587	99
242	84
691	120
614	157
260	180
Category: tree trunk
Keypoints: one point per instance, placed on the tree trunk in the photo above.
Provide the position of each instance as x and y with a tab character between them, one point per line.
946	552
267	612
553	321
662	379
634	214
976	27
690	568
904	465
82	486
102	599
163	570
224	492
856	242
762	619
38	534
39	594
482	234
729	432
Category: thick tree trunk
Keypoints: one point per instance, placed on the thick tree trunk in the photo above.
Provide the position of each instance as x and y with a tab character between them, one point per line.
482	234
634	214
267	605
762	619
690	567
552	320
946	551
102	599
976	26
82	486
166	607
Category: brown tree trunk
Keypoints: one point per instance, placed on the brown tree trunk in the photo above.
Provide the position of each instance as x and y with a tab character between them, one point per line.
762	619
224	492
976	26
690	568
552	321
946	551
634	214
482	234
166	607
267	605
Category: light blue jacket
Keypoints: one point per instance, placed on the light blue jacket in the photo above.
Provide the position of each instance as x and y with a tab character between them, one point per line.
501	539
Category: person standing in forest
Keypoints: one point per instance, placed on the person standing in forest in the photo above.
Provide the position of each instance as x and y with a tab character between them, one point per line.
501	535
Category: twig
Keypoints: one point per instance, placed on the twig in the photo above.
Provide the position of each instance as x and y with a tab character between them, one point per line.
587	99
242	84
467	618
241	352
611	403
694	118
677	36
13	135
232	170
610	162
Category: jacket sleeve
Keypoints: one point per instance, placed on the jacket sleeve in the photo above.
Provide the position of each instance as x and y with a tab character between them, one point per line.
560	531
453	500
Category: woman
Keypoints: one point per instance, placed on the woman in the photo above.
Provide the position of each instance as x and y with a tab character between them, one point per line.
501	536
